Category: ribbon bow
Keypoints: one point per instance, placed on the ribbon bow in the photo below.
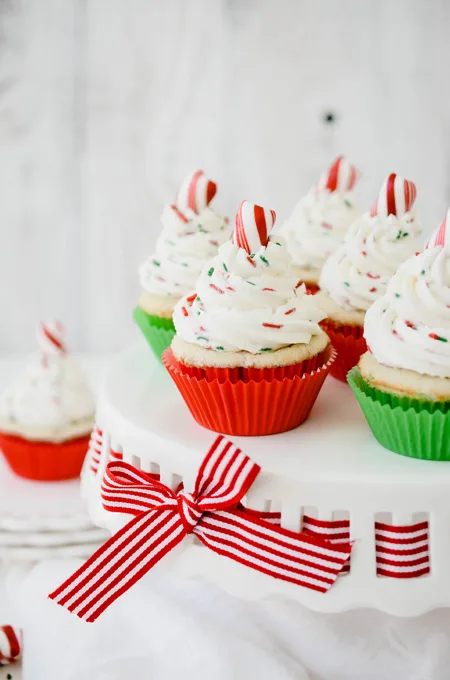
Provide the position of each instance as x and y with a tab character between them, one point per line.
212	512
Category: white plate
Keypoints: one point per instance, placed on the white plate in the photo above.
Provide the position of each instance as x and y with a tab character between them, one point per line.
34	554
49	539
40	506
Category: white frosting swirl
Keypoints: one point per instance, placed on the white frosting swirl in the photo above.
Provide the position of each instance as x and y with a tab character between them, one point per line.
248	303
318	226
409	327
357	274
50	394
181	251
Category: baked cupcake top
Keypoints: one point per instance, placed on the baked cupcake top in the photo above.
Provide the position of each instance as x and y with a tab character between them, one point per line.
409	327
247	298
50	398
320	219
376	244
191	234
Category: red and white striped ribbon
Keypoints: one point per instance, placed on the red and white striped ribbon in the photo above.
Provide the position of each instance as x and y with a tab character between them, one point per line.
51	337
441	237
340	176
10	644
337	531
162	518
253	226
402	551
396	197
115	455
95	449
196	192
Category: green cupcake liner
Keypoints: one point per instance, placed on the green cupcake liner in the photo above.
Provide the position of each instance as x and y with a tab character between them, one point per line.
411	427
157	330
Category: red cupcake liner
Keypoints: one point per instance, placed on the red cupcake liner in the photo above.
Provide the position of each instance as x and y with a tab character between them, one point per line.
349	344
44	461
276	400
234	375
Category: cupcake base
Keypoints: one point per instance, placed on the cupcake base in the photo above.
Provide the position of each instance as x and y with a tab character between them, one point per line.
411	427
44	461
349	344
250	402
157	330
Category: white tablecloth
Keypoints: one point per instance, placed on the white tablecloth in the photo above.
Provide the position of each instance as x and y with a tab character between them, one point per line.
167	628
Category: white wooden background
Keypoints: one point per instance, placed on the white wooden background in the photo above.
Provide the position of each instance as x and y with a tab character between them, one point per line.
106	104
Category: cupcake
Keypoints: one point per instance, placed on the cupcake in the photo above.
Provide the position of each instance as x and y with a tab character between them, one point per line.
403	381
191	235
249	356
320	220
47	414
357	274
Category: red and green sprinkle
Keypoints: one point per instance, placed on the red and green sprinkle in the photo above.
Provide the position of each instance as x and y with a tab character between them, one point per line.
434	336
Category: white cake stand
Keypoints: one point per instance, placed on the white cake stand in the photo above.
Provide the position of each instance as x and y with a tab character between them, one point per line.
330	467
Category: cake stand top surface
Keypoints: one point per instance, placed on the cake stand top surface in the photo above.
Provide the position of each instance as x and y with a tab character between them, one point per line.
334	445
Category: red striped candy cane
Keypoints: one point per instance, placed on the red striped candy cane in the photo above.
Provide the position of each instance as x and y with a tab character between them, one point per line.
253	226
196	192
441	236
51	337
10	644
340	176
396	197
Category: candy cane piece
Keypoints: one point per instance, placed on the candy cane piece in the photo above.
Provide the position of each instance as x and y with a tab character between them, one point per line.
196	192
253	226
340	176
441	236
51	337
396	197
10	644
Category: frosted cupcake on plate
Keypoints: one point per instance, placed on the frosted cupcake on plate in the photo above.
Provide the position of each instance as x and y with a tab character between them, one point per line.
47	414
191	235
320	220
357	274
249	356
403	381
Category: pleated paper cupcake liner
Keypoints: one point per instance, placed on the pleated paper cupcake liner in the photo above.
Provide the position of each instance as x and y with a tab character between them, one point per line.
158	331
234	375
411	427
349	344
44	461
249	407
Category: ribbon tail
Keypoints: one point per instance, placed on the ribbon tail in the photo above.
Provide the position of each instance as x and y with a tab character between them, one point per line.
307	561
120	563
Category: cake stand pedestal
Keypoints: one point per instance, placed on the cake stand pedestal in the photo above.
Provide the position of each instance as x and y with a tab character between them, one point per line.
330	468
